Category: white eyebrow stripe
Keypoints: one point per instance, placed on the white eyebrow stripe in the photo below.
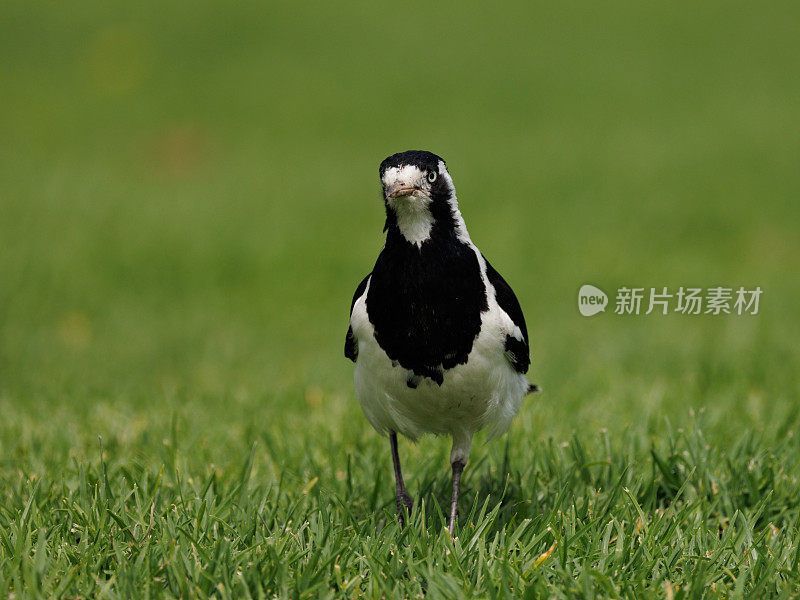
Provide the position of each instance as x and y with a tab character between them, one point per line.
460	226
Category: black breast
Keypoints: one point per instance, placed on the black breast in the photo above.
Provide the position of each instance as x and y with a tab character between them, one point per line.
426	303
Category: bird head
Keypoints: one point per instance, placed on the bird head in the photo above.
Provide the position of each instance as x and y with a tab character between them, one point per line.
419	195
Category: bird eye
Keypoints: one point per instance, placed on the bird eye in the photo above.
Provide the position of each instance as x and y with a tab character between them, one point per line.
432	176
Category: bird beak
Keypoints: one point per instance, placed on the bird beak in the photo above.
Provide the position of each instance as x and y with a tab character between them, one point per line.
401	189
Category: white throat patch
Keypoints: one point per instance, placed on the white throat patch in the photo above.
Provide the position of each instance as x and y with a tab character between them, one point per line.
414	218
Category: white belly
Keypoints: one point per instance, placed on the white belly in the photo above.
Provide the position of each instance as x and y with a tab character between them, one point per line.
485	392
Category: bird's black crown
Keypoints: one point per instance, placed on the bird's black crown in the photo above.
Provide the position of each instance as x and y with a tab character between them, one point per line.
422	159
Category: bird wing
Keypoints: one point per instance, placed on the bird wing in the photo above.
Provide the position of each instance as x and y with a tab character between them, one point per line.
517	350
350	344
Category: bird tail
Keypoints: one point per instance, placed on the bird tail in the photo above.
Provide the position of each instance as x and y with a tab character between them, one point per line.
533	389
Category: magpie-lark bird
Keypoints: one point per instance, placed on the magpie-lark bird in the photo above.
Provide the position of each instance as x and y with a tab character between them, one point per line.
436	334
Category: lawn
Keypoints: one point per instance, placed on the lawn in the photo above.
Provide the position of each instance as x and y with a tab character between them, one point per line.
189	196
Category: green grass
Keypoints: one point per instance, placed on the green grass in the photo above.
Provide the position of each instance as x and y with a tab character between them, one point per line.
591	516
189	196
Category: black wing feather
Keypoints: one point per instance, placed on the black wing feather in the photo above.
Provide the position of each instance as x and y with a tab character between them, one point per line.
517	351
350	344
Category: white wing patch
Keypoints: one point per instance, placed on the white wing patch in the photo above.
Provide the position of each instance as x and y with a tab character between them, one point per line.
503	320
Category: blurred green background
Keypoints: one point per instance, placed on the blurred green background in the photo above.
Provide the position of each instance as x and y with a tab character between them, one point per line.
189	196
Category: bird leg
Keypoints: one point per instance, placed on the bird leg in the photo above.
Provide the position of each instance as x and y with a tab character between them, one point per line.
458	467
403	499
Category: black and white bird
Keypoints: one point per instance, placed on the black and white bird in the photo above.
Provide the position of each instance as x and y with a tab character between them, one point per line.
436	334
